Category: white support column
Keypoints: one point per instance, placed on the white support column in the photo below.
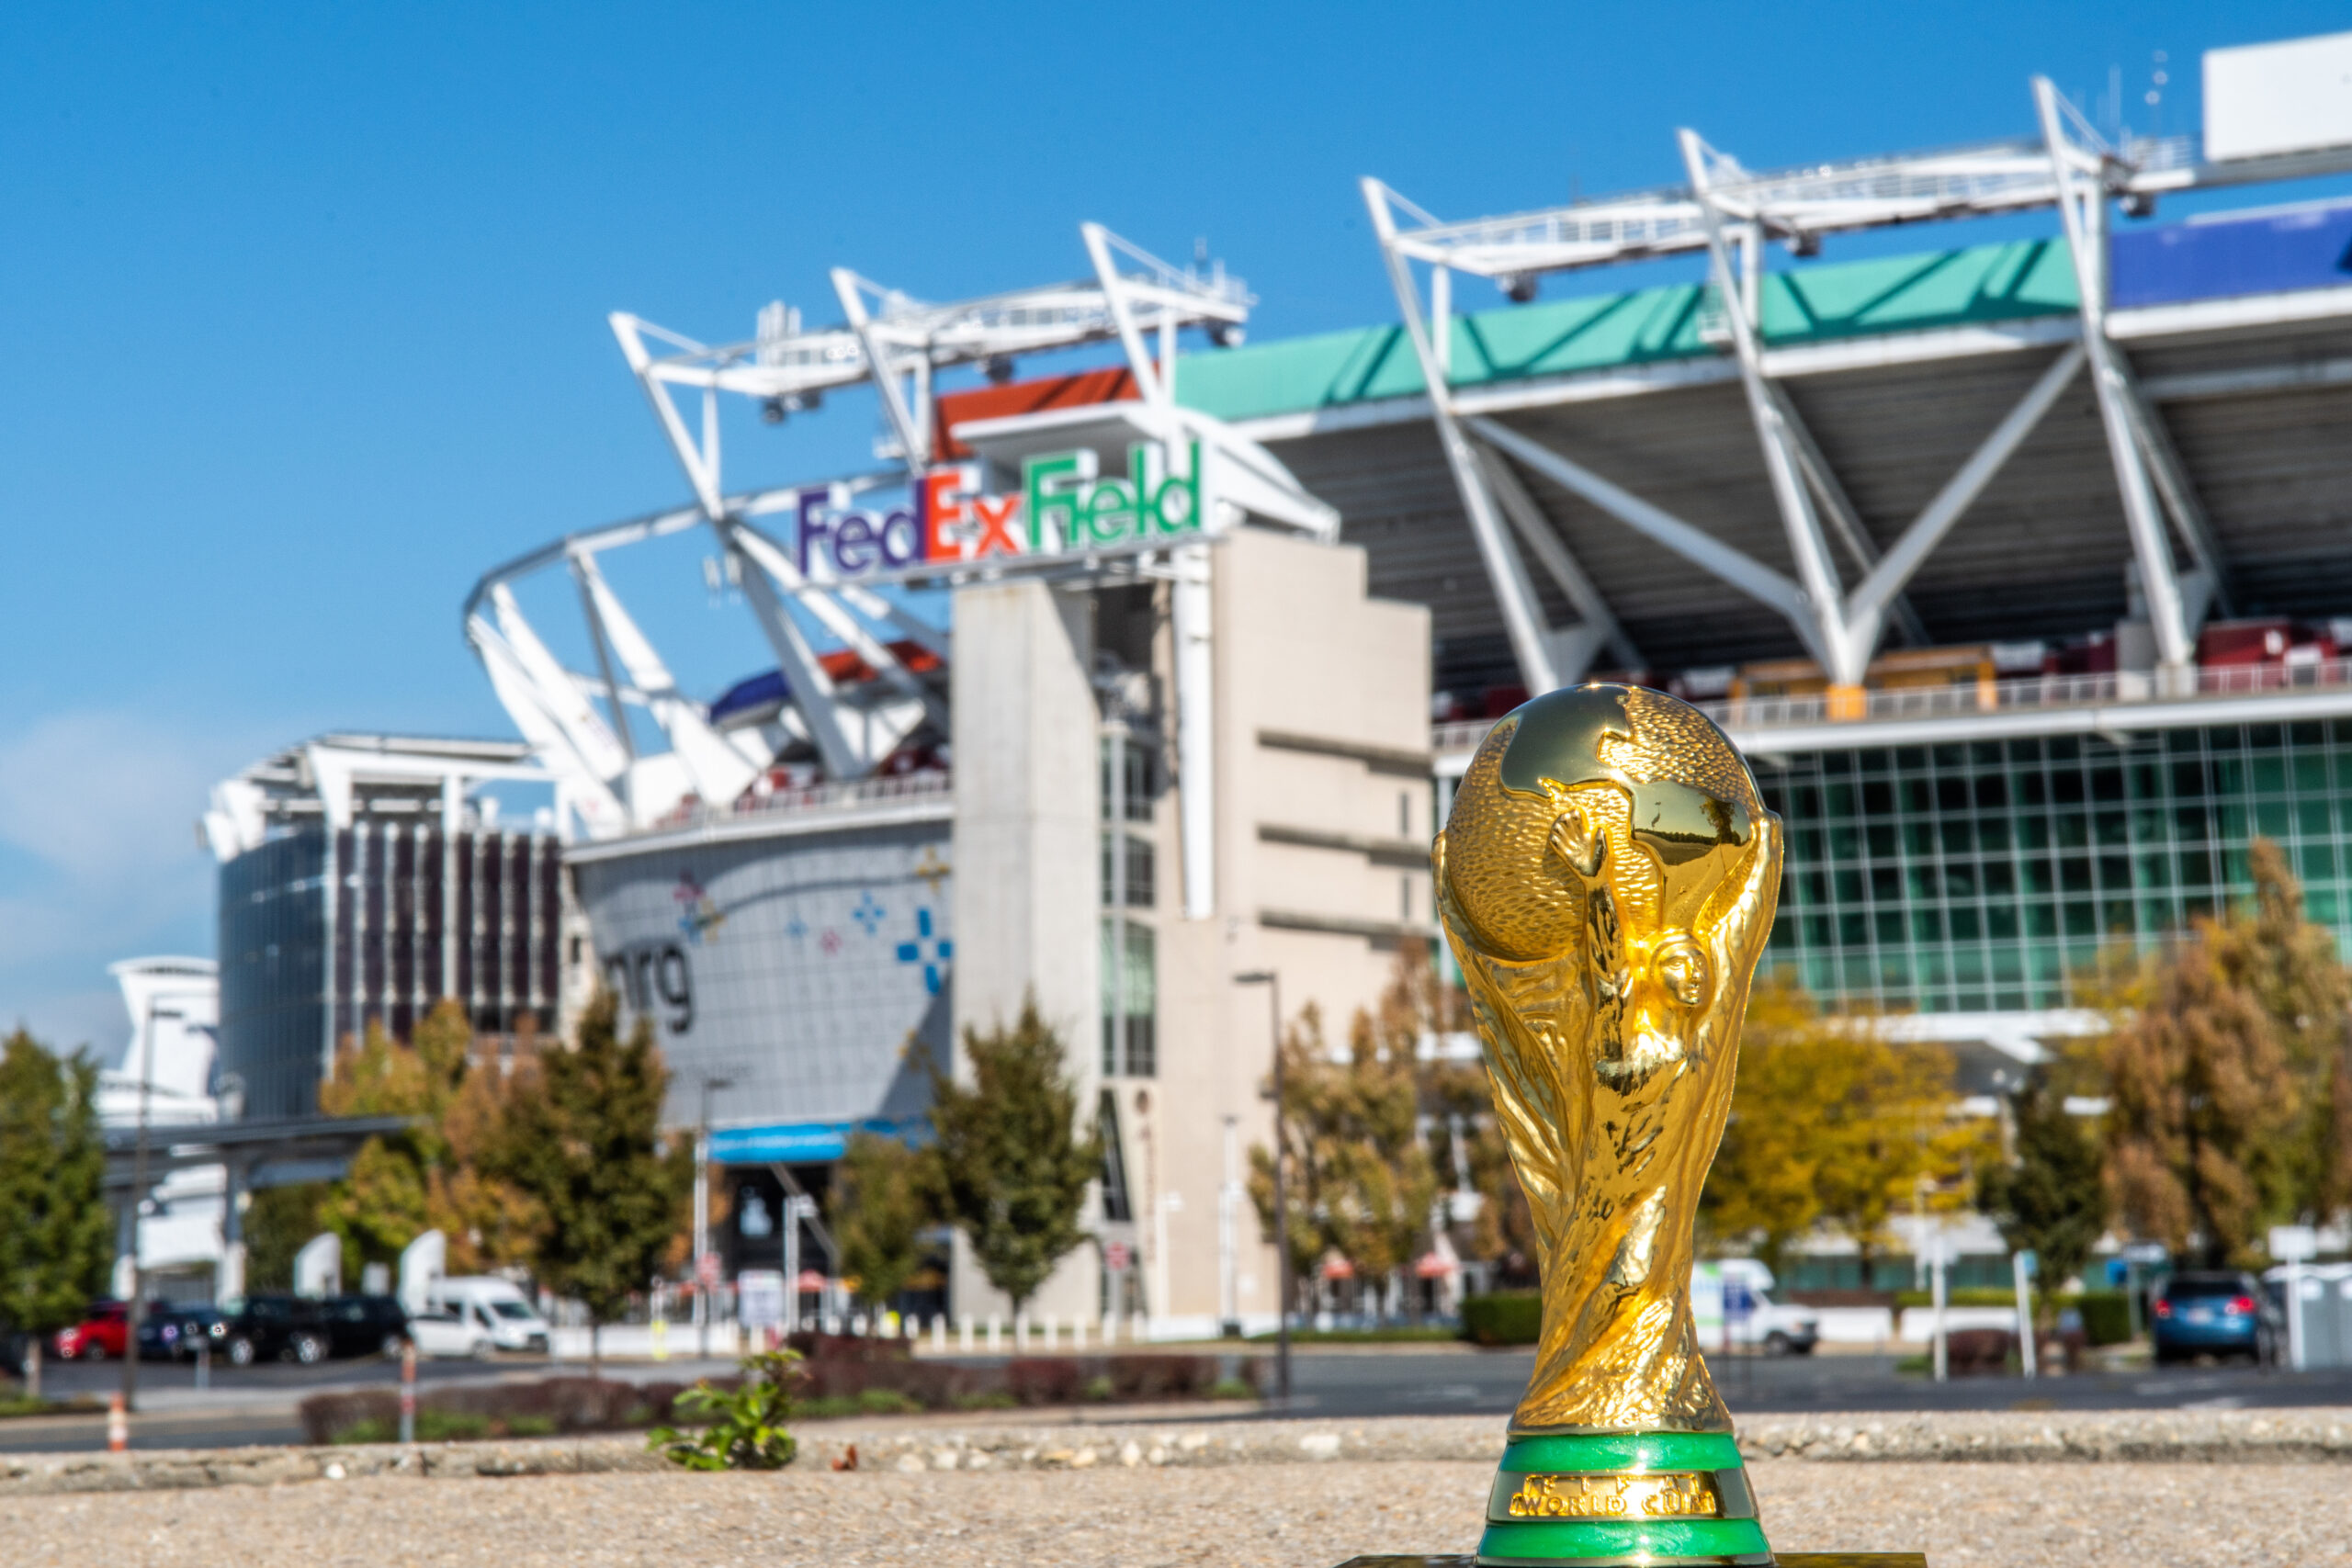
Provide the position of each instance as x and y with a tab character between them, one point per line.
1694	545
914	439
1195	728
1523	612
811	688
1845	647
1572	649
2081	207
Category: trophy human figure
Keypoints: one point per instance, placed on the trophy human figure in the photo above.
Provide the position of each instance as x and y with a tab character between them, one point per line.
1607	880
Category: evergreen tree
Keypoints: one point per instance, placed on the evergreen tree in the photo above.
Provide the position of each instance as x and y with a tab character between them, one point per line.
882	1202
56	1234
1013	1156
581	1140
2051	1201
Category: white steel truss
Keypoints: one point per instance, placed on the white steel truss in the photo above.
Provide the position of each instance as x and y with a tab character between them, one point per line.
1731	213
900	343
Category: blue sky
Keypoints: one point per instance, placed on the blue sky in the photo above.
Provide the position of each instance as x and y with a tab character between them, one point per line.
309	301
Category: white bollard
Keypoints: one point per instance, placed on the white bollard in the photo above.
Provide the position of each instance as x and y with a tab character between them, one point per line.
963	1332
1110	1329
1052	1324
996	1333
939	1331
1078	1332
1021	1333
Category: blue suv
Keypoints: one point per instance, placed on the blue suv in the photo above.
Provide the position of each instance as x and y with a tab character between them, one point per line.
2214	1314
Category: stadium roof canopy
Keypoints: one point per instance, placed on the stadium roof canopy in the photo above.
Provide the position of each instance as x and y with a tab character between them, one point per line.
2240	329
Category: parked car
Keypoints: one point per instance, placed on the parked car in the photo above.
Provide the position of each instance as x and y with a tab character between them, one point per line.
170	1330
2215	1314
105	1330
365	1326
500	1306
277	1327
1753	1318
451	1331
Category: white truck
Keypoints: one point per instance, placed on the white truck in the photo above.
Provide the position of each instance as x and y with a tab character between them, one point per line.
495	1309
1753	1319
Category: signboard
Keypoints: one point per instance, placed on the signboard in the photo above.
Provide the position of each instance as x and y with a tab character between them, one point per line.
759	1299
1117	1256
1064	508
706	1269
2294	1244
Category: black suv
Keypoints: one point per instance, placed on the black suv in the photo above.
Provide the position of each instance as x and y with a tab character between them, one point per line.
365	1326
278	1328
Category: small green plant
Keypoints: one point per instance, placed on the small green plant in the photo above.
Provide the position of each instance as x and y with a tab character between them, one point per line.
826	1407
746	1428
1098	1390
367	1429
530	1426
1232	1388
887	1401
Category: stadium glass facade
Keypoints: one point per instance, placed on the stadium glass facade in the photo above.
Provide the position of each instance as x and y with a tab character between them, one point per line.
415	915
1988	876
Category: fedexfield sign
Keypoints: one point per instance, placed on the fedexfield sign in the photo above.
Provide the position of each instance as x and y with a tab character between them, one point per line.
1063	508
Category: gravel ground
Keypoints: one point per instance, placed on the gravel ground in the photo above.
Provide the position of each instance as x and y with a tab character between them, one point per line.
1295	1515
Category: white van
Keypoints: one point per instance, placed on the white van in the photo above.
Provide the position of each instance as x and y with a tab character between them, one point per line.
498	1308
1778	1330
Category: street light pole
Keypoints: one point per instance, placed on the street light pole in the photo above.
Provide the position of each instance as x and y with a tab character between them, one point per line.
1273	984
133	1311
702	1215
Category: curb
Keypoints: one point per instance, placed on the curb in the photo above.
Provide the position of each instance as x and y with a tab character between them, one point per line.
2242	1437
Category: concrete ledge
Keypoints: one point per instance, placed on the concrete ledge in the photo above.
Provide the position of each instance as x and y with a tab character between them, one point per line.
2245	1436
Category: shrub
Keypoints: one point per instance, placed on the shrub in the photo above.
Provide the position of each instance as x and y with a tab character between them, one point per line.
1961	1296
2107	1316
1507	1318
452	1426
1044	1380
746	1428
1099	1390
543	1409
985	1399
1233	1388
886	1401
1971	1352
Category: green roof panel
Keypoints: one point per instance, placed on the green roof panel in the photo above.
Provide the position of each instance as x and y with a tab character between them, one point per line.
1981	284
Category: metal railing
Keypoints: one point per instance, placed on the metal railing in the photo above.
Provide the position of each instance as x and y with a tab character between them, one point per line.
2029	692
844	798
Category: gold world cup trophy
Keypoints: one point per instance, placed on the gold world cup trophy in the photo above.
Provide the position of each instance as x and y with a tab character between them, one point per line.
1607	882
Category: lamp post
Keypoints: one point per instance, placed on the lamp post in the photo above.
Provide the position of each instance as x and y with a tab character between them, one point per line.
1273	984
702	1216
134	1310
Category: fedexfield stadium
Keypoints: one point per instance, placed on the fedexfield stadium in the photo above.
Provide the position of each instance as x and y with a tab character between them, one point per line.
2017	568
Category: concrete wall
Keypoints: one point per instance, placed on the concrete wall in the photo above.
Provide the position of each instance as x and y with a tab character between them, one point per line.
1322	725
1026	894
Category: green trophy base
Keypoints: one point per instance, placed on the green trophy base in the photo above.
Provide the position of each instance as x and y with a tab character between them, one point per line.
1784	1560
1616	1500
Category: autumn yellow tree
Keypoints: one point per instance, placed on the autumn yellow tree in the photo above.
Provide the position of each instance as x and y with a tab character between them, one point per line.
1834	1125
430	1176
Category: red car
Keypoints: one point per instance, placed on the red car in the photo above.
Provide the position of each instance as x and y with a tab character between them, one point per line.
105	1330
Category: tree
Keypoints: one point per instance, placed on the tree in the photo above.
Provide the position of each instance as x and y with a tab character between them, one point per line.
1013	1156
278	1222
581	1140
2051	1201
2204	1106
883	1200
1832	1124
1358	1180
2292	967
430	1176
56	1234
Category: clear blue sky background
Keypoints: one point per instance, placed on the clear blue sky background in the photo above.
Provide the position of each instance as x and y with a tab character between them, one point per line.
307	302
